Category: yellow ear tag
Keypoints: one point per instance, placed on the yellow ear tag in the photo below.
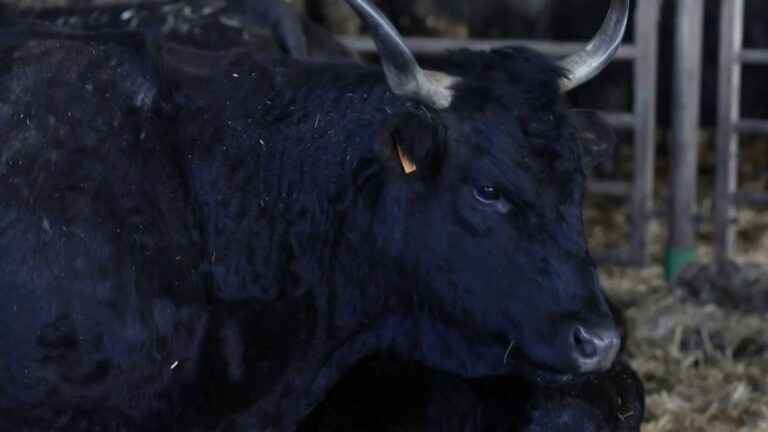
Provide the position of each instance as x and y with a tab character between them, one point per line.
408	166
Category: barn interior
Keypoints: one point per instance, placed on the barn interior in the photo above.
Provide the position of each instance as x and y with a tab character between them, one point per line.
697	339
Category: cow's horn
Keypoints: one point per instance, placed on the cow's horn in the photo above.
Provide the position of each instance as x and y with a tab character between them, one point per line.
404	75
585	64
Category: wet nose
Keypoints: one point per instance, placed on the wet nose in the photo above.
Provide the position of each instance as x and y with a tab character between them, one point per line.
594	349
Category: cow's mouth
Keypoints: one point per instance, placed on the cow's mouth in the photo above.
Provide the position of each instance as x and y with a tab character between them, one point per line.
518	364
542	374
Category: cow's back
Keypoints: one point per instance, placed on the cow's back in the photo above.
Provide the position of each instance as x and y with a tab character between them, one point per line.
99	255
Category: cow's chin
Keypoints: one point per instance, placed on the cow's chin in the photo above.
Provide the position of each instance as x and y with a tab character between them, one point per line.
452	350
520	366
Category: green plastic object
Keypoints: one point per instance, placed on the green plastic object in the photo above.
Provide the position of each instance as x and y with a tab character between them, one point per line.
676	259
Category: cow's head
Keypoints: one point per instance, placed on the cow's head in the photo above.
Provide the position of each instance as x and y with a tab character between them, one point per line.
493	184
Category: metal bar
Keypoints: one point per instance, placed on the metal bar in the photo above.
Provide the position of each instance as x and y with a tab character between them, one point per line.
686	115
619	120
610	187
752	126
426	45
647	14
729	95
754	56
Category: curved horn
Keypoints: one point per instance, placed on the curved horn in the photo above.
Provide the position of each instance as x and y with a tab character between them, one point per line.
404	75
585	64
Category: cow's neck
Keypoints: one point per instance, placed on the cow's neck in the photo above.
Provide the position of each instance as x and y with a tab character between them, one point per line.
298	300
296	307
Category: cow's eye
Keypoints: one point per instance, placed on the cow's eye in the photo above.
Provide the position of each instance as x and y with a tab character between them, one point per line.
487	194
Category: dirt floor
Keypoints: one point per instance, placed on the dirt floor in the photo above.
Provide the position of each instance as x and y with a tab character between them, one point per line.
700	345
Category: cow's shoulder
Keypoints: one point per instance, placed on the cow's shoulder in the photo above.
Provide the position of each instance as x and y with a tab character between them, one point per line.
63	102
82	146
102	290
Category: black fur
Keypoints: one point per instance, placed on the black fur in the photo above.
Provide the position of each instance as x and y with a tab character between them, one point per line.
182	249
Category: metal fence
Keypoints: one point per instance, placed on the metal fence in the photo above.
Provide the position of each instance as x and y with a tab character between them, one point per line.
684	147
730	124
641	120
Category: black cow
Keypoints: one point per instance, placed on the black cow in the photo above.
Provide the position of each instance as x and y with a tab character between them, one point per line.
184	248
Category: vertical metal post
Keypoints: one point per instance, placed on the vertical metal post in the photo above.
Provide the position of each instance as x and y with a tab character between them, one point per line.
646	69
685	157
729	101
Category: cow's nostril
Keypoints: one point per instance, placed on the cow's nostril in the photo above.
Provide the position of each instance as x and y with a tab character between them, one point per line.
594	350
584	344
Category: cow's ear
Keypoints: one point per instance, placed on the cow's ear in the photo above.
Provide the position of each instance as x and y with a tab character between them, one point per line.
594	137
412	144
